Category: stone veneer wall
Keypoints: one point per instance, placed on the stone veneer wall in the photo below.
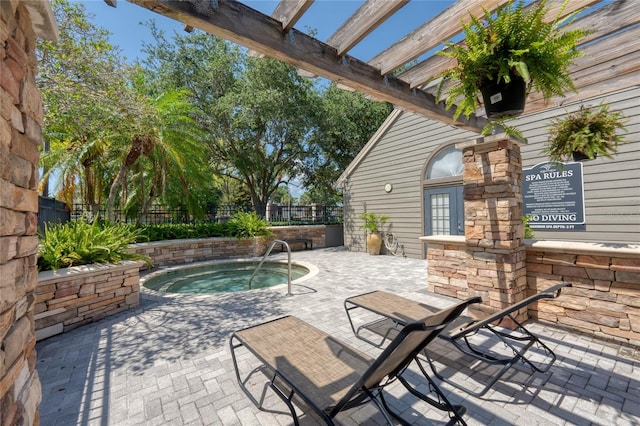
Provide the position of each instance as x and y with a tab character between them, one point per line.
175	252
70	297
317	234
604	299
20	136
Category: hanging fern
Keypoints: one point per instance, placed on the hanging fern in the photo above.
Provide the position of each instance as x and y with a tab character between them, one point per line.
514	39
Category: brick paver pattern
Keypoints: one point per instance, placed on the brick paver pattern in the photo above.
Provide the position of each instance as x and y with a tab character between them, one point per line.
168	362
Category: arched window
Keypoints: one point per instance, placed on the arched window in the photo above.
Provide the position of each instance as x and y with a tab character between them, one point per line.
446	163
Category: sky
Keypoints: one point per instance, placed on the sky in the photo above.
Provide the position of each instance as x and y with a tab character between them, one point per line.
325	16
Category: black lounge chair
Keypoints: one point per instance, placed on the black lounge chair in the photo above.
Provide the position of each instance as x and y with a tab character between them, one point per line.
393	311
330	376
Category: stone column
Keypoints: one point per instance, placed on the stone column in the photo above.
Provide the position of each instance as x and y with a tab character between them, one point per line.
21	119
494	232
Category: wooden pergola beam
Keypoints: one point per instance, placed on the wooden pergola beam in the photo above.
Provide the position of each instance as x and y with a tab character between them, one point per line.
366	19
431	34
601	24
289	12
243	25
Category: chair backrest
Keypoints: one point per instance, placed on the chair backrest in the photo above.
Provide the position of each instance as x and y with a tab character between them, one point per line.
412	339
474	326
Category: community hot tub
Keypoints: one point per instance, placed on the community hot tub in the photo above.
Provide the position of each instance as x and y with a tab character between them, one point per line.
225	276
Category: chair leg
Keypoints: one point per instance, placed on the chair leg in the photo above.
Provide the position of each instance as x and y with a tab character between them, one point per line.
442	403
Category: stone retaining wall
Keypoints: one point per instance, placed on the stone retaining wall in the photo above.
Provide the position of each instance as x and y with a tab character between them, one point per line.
605	296
70	297
175	252
604	299
316	233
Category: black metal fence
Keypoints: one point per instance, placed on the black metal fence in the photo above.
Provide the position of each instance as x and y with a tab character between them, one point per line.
274	214
51	210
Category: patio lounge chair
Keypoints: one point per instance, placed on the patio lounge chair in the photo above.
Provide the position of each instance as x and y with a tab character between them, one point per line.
330	376
393	311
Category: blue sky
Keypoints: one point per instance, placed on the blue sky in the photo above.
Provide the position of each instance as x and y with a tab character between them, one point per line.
325	16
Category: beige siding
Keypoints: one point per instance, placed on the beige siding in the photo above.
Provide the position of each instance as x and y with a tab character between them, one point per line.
398	158
612	186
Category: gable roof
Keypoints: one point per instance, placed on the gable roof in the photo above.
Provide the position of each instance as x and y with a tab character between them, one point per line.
371	143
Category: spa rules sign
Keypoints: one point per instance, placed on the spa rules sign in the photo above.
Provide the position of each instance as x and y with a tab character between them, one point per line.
554	197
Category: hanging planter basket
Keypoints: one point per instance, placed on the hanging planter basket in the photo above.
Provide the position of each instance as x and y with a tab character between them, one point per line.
503	99
581	156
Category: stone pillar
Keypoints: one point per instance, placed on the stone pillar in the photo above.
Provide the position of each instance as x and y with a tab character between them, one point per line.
20	136
494	232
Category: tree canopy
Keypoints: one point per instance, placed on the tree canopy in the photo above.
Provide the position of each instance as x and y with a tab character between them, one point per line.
198	122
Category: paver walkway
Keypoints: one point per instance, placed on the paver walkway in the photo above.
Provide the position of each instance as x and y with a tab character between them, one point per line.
168	362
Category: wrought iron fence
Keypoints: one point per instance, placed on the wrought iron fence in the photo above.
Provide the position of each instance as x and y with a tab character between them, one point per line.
274	214
51	211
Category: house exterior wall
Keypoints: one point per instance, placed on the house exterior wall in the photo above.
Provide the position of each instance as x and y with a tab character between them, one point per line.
399	157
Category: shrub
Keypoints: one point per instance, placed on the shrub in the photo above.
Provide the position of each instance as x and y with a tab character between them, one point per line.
247	225
81	243
178	231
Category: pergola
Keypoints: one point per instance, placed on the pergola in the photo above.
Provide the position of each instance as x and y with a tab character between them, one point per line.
611	60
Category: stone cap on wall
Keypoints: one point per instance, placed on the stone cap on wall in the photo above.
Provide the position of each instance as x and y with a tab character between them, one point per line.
444	239
599	248
42	18
46	276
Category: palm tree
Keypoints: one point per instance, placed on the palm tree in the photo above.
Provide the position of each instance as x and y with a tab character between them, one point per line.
165	144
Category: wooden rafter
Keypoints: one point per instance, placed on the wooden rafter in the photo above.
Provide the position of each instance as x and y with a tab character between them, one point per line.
289	12
610	61
431	34
366	19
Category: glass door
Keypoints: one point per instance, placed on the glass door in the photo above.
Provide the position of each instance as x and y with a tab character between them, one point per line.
444	211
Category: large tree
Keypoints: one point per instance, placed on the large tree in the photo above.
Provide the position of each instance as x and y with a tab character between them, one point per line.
83	84
257	113
115	140
346	121
264	122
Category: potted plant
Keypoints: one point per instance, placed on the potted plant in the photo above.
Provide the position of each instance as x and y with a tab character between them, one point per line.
505	56
373	223
585	134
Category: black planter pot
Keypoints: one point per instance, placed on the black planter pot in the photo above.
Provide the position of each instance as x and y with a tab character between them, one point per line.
504	99
581	156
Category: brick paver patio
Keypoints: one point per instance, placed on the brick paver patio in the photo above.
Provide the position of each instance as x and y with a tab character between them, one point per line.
168	362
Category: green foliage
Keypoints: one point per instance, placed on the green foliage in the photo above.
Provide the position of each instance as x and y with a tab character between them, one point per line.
177	231
514	39
87	102
81	243
263	126
528	231
373	222
346	122
591	131
247	225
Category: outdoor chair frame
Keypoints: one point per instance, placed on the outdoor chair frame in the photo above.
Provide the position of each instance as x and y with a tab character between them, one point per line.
395	311
330	376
